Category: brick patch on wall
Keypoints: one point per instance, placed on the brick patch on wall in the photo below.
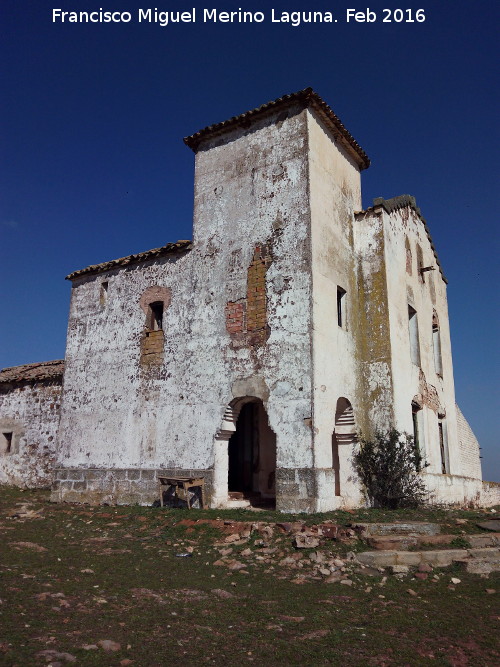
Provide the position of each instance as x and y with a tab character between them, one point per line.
246	320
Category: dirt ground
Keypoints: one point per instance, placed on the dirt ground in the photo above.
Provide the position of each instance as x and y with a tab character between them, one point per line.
151	586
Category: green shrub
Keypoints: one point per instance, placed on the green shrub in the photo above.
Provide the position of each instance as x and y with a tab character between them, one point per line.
388	466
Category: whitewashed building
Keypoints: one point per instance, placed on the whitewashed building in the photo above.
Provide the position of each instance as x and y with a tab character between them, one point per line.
253	354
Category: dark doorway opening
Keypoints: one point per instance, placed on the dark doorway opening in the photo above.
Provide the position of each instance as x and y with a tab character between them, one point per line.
242	452
252	456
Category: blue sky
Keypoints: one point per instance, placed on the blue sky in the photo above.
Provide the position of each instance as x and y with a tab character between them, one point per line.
93	166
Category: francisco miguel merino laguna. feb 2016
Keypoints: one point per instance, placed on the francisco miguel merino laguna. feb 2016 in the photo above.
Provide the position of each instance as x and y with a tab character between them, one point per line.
165	18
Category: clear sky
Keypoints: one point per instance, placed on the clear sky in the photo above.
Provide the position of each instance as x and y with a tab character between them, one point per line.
93	166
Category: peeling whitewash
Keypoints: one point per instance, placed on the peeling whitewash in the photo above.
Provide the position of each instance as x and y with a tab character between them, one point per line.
254	355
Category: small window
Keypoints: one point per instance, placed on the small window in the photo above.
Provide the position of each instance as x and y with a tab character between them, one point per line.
341	311
155	316
420	264
436	343
413	331
103	293
6	441
408	257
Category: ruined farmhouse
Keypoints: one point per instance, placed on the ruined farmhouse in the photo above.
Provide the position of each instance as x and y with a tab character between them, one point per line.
253	355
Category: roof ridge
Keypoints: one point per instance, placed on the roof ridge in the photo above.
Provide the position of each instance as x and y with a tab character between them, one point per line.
168	249
308	97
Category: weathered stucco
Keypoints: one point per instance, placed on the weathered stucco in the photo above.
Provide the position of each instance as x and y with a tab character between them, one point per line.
255	355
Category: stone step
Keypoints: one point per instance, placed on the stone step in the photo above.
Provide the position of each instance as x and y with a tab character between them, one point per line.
487	558
397	528
237	503
406	542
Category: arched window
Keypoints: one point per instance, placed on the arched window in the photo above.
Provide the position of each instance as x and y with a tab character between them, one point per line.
344	434
436	342
416	414
413	332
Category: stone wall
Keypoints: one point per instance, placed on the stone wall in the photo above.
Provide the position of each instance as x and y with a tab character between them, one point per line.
120	486
29	419
469	447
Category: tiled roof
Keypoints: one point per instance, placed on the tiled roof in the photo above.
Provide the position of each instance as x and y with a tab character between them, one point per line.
309	98
169	249
402	201
46	370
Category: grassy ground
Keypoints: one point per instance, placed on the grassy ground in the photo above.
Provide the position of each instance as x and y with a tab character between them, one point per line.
72	576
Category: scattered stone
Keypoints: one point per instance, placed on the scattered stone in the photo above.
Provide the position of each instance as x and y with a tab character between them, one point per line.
481	567
232	538
285	527
338	563
333	578
218	563
50	655
87	570
367	571
492	524
220	593
346	582
266	532
454	580
90	647
411	592
324	572
246	552
461	521
28	545
303	541
400	569
235	565
421	575
125	662
424	567
109	645
295	619
490	591
315	634
329	531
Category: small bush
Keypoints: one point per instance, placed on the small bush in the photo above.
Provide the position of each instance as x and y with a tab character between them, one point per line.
388	466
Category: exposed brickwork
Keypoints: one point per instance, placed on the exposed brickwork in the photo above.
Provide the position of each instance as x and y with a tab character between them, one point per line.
256	289
235	317
152	347
249	316
427	394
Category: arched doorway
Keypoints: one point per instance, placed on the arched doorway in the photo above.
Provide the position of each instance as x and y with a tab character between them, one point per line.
251	453
344	434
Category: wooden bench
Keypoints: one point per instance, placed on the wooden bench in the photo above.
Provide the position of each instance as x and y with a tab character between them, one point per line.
182	486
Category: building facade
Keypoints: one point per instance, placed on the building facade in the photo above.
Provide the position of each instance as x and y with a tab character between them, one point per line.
253	355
